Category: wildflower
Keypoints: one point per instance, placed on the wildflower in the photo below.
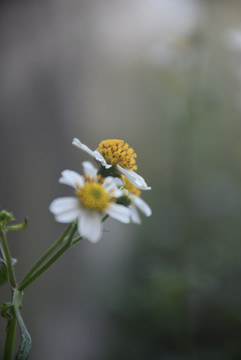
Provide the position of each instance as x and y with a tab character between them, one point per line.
95	198
116	158
131	197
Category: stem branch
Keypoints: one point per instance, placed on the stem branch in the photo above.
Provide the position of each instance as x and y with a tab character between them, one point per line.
29	280
44	257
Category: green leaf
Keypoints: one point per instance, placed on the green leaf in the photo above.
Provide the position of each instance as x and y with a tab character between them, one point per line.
26	343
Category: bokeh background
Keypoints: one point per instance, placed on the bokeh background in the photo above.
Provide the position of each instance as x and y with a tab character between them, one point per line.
165	76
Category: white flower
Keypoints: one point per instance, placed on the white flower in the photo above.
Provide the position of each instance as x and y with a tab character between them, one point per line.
139	204
94	199
131	196
114	152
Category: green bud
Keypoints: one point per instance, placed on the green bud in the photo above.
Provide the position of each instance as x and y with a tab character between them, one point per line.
125	199
5	217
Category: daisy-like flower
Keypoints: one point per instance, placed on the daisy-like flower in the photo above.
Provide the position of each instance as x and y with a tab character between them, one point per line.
131	197
116	154
94	198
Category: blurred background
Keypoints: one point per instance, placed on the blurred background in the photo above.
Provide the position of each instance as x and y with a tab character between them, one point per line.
165	76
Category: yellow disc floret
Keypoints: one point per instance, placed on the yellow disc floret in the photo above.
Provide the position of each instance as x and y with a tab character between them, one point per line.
116	151
130	187
94	196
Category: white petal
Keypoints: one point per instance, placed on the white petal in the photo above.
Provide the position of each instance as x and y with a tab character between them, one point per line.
62	204
135	218
109	184
118	181
95	154
142	205
83	147
119	212
101	159
134	178
89	169
90	226
71	178
68	216
118	193
65	209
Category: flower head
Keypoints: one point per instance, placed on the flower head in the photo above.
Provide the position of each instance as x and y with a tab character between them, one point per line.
94	198
116	154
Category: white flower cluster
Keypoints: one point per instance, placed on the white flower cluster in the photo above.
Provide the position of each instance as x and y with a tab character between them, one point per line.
112	190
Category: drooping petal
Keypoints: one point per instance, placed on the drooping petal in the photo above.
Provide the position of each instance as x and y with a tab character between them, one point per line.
65	209
135	218
89	169
95	154
142	205
119	212
101	159
71	178
90	226
83	147
134	178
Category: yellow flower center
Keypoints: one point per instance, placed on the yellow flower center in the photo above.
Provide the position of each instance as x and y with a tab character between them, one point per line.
94	196
118	152
130	187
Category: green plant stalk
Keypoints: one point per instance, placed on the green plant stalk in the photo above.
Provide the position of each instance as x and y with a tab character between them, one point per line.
23	284
44	256
10	336
10	270
18	226
12	322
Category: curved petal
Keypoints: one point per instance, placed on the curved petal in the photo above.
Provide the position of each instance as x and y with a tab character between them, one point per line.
135	218
134	178
119	212
101	159
65	209
90	226
95	154
142	205
89	169
83	147
71	178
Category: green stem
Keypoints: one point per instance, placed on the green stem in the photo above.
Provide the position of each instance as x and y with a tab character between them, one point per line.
18	226
105	217
44	257
12	321
29	280
10	336
76	241
11	275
